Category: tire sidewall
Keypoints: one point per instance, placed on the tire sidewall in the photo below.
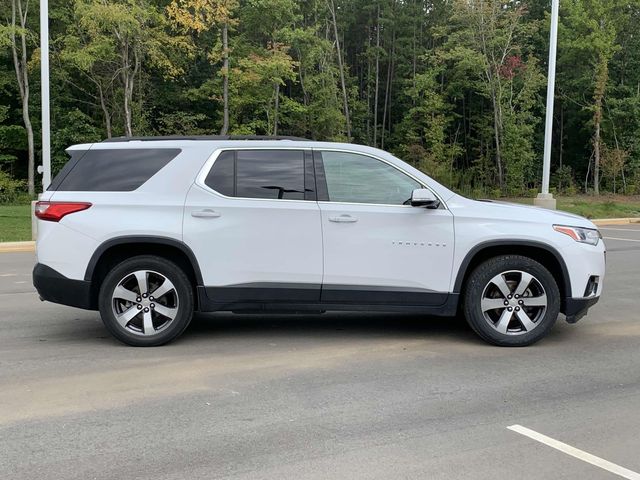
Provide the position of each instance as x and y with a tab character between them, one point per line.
479	279
163	266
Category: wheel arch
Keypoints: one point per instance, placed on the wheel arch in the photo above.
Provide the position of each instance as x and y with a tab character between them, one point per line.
539	251
115	250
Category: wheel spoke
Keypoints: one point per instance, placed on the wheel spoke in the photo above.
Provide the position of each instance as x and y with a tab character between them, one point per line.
143	285
540	301
166	311
525	280
125	317
503	322
492	304
526	322
499	282
124	294
148	323
163	289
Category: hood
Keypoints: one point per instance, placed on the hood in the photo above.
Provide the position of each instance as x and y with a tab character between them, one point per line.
506	210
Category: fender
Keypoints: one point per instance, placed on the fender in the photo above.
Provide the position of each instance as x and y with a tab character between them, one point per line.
462	271
171	242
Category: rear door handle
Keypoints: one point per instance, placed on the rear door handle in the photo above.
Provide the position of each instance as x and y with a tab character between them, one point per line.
343	219
206	213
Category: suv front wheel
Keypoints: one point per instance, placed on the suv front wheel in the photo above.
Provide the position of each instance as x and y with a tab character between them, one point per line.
146	301
511	300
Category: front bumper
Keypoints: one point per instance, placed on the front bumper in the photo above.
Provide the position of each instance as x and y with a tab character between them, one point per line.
576	308
55	287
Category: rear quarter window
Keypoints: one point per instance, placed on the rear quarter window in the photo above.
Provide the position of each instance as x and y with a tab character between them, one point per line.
112	170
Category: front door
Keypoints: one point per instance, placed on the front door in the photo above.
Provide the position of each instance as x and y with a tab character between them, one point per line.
254	226
378	249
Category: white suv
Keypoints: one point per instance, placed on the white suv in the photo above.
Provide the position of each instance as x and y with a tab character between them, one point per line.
149	230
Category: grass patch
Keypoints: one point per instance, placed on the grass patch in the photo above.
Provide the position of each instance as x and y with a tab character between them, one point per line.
15	223
595	207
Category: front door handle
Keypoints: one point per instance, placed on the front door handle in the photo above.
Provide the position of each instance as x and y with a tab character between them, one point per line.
206	213
343	219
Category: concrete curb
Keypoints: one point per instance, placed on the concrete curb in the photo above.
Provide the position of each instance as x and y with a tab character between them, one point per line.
615	221
8	247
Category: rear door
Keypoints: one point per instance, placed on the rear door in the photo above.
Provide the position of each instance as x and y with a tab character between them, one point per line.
254	224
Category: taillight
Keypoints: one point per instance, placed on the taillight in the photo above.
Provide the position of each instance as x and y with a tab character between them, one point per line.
54	211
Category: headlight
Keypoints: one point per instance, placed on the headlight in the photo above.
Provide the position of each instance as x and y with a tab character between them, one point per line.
590	236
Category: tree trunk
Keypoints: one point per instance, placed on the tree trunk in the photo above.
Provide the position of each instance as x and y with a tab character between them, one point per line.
276	107
225	79
125	105
602	76
332	8
22	77
301	77
561	134
128	77
596	155
368	87
377	87
105	111
414	55
128	90
497	133
387	91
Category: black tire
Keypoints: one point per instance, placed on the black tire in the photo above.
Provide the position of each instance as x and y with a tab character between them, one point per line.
479	285
180	300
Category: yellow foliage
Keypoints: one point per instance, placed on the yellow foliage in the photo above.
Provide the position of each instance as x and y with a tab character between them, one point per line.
201	15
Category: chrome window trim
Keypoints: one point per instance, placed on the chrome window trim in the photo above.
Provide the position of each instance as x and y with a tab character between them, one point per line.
204	171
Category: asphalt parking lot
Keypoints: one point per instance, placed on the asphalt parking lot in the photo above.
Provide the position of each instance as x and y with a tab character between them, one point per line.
319	397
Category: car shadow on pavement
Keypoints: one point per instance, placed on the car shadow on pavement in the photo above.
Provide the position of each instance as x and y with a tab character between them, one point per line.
329	325
335	325
82	330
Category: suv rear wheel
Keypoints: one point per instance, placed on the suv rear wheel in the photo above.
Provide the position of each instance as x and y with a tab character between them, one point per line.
146	301
511	300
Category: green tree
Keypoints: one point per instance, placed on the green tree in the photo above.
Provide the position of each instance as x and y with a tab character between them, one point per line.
588	37
138	35
17	35
201	16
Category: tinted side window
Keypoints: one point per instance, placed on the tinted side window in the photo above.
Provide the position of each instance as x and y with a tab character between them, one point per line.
221	177
358	178
271	174
116	170
74	157
276	174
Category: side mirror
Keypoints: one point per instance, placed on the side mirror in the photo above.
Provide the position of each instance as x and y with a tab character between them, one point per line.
423	197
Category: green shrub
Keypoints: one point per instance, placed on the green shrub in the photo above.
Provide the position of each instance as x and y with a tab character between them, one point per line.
11	190
495	193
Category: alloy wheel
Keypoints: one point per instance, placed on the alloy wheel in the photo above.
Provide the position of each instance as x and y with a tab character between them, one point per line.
145	302
514	302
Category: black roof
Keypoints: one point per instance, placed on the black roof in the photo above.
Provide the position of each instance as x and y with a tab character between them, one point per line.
203	137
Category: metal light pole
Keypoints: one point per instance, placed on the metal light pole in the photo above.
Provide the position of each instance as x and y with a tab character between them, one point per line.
545	199
45	168
44	75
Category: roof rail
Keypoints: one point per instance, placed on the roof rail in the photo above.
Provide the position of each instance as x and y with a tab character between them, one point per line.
202	137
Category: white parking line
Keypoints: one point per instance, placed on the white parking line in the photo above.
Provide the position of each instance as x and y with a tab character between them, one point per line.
577	453
621	229
621	239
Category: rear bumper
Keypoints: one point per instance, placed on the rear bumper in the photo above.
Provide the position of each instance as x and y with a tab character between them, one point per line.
55	287
576	308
